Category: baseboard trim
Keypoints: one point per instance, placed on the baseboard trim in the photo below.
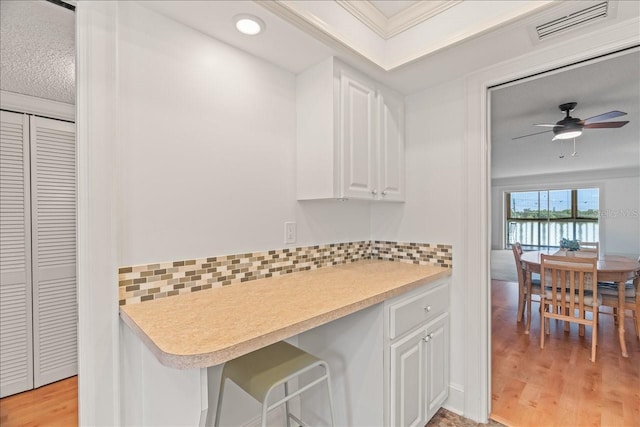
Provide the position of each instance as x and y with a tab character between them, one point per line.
455	401
499	420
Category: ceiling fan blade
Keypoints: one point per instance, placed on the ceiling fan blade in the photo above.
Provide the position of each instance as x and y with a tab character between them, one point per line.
605	125
547	125
531	134
605	116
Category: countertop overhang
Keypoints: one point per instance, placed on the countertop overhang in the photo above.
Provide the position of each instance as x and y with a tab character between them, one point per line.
210	327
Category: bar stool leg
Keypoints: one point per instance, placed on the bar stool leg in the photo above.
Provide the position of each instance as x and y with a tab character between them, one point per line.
216	423
286	404
264	413
326	369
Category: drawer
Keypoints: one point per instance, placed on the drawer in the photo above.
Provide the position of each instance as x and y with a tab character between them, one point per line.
413	311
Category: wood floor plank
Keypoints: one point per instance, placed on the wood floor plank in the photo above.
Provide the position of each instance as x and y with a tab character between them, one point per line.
559	385
54	405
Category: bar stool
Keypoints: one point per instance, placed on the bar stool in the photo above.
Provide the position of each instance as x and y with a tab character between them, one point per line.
260	372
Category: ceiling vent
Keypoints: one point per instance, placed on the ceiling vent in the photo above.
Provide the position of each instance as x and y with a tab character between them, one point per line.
573	20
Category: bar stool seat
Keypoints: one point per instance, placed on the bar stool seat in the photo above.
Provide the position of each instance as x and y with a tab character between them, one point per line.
262	371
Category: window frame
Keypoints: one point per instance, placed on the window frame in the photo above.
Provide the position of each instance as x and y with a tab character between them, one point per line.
574	218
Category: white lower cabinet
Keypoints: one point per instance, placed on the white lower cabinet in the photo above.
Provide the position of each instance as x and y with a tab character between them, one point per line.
437	364
389	363
419	359
408	380
419	377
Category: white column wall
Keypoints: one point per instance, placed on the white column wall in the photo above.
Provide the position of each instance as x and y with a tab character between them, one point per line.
97	149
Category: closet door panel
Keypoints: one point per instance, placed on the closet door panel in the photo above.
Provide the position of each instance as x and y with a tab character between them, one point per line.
16	340
53	166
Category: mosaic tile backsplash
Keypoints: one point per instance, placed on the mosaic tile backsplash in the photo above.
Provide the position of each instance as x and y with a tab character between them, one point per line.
142	283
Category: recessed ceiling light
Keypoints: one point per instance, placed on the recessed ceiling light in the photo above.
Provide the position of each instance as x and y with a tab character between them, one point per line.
249	24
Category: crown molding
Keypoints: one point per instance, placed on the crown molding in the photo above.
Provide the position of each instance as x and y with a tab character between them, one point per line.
385	27
39	106
317	28
295	13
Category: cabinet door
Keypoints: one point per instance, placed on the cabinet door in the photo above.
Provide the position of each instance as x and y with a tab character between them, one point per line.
390	147
408	380
358	138
16	354
437	364
53	198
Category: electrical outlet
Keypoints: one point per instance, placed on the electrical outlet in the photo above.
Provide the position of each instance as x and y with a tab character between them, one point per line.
290	232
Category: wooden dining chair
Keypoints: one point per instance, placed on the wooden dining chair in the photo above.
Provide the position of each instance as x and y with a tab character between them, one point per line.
590	247
568	294
609	292
523	297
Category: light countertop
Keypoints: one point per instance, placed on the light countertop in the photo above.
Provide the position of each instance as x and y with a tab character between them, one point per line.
210	327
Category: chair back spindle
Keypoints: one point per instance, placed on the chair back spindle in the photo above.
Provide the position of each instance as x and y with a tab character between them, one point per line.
569	293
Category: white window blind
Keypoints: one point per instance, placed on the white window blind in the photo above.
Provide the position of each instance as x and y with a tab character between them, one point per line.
38	303
16	351
53	198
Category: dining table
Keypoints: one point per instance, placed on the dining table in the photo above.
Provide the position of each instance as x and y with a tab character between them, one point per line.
611	268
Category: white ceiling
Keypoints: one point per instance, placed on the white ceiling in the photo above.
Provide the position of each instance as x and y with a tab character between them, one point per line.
37	50
600	87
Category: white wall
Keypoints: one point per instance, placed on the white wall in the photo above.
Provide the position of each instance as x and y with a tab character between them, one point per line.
619	204
208	136
433	209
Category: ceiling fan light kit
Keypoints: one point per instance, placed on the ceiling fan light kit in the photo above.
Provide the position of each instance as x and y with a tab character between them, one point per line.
572	127
568	127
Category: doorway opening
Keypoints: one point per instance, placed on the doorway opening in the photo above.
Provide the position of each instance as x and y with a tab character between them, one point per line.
38	237
557	384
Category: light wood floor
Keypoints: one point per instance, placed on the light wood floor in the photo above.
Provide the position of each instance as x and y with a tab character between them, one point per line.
559	385
54	405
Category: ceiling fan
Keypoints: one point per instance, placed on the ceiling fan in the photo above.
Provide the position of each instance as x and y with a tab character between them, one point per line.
571	127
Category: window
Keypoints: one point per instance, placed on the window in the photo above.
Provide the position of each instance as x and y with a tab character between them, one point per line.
541	218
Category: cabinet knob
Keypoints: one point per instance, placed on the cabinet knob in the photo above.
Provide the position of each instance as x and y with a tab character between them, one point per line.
374	192
384	193
427	338
427	308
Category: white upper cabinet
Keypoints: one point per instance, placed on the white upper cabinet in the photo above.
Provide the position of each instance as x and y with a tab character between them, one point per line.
358	132
350	141
390	146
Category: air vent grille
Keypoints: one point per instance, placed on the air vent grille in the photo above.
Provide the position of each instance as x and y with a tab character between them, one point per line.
594	13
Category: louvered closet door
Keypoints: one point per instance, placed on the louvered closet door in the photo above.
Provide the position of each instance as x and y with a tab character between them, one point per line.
16	351
53	197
